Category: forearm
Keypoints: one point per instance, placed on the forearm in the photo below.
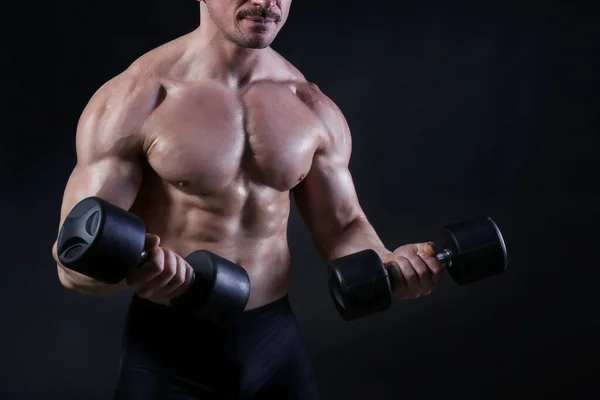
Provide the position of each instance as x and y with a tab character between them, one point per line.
87	286
356	236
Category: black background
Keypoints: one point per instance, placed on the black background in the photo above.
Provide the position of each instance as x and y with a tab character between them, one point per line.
457	110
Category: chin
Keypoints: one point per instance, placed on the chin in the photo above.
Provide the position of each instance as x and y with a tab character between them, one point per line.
254	42
257	44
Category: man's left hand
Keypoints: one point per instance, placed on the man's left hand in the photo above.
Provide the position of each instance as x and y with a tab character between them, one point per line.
414	270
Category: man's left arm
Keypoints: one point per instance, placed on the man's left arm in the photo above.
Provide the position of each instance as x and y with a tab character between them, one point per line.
328	203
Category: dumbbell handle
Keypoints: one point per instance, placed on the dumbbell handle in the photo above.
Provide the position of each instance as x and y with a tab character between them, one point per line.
145	257
445	258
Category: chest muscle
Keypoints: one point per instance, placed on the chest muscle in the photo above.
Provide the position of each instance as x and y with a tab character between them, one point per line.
206	137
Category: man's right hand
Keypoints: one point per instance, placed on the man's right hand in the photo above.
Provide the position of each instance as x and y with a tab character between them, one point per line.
163	277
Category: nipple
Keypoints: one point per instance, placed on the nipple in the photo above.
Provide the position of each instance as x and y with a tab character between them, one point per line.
182	184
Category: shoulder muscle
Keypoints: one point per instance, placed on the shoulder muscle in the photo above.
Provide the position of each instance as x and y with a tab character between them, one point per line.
338	139
111	123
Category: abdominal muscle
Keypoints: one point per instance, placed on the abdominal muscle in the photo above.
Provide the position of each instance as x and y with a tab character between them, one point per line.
246	225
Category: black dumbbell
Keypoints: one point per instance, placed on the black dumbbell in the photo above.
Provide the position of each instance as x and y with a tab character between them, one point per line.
106	243
472	250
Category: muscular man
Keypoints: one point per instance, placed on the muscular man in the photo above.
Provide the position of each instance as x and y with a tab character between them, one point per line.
204	138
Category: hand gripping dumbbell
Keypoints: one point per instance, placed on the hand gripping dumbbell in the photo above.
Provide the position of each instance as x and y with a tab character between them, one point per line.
106	243
471	251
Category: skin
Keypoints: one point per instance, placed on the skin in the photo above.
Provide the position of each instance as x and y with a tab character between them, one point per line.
205	138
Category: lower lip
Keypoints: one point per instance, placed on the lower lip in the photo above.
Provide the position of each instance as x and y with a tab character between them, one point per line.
261	22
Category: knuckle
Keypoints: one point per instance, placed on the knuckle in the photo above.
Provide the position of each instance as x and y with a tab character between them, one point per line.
409	274
406	267
403	262
158	253
184	268
167	254
422	270
395	267
157	261
170	267
179	277
189	269
170	262
157	266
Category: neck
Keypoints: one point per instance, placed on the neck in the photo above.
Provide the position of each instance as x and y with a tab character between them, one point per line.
221	59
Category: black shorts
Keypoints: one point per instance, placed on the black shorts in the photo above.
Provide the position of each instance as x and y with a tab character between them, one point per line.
171	355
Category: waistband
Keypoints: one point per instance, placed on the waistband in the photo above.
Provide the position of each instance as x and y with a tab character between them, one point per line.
274	309
281	305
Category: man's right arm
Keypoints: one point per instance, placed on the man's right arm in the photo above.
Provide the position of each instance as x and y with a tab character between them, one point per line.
109	148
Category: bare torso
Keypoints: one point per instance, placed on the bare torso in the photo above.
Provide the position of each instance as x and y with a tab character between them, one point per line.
220	164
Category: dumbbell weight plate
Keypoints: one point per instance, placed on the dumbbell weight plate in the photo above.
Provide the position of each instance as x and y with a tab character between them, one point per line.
220	287
476	250
101	241
359	285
